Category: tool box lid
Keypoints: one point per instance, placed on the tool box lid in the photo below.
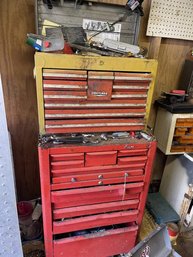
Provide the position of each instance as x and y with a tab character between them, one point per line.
157	244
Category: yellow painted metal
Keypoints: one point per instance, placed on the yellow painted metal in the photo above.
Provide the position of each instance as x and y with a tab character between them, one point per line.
102	63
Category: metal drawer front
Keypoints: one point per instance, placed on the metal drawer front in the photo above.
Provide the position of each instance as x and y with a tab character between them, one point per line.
100	158
88	183
64	74
79	197
102	175
132	159
92	125
61	171
67	157
132	152
94	209
94	221
67	164
110	101
100	244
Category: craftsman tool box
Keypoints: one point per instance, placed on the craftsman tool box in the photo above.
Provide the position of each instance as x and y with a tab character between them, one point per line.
95	161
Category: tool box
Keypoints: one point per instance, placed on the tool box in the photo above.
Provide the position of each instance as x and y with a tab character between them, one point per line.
95	163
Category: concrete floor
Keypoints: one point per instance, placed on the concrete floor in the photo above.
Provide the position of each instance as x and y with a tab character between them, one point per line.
184	244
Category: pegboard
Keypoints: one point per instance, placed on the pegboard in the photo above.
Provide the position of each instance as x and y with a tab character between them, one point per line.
171	19
10	242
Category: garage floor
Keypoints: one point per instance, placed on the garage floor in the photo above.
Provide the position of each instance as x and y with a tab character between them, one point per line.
184	244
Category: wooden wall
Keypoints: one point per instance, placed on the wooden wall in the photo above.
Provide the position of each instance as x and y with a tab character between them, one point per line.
16	66
172	53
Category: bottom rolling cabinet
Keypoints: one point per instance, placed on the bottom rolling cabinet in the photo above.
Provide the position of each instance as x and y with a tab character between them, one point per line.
93	197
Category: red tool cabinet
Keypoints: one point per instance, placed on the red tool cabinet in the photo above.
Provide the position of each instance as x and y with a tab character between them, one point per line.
93	194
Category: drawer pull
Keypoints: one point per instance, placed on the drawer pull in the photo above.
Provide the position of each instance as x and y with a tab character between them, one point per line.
73	180
100	183
100	176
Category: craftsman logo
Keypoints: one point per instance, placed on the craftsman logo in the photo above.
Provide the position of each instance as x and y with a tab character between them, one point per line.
102	93
145	252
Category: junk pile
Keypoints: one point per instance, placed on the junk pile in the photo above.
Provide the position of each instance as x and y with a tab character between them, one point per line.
30	222
57	38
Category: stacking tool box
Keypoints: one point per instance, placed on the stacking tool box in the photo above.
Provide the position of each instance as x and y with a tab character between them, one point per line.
93	194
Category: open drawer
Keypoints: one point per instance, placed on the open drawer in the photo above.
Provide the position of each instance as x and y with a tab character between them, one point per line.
94	221
100	244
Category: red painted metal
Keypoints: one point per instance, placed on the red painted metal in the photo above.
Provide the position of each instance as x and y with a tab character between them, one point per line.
100	85
64	74
79	184
71	191
46	200
102	175
148	168
94	209
125	144
101	194
100	158
103	244
92	186
93	129
63	85
67	164
132	152
94	221
97	169
132	159
67	157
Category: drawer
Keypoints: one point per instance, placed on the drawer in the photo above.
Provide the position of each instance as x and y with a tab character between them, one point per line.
132	77
102	244
94	209
100	158
90	125
93	113
94	221
89	183
67	164
67	157
132	152
64	74
95	176
57	97
100	85
59	171
62	85
127	160
96	179
100	194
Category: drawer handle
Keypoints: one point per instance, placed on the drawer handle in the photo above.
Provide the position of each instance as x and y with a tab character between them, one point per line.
100	183
73	180
100	176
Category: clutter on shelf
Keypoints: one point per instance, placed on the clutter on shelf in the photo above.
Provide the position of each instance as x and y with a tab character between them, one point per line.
94	37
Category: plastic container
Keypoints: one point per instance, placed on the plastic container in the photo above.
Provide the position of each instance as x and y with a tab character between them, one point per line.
25	210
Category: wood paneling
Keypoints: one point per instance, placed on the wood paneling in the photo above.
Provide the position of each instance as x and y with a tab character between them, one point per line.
172	53
16	66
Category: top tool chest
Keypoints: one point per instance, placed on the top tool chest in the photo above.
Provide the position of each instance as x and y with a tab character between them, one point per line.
95	165
93	94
